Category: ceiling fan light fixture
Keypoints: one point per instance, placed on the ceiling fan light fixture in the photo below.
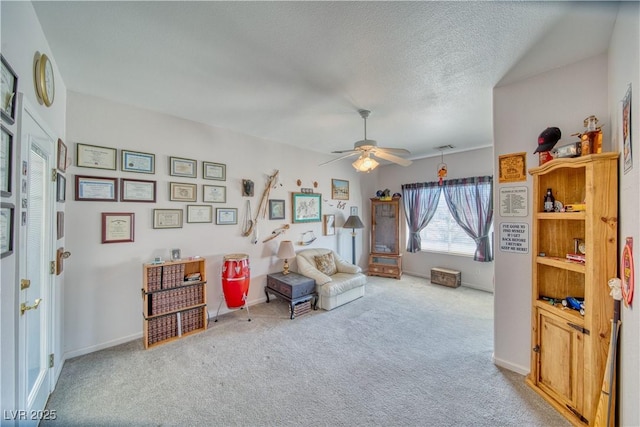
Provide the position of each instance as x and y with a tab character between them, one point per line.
365	164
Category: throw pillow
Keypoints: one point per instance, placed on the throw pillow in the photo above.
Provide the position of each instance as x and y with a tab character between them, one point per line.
326	264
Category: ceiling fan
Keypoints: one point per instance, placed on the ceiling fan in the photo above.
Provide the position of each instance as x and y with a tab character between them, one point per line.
367	148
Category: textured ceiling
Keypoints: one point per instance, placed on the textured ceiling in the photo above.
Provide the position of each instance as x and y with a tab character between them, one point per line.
297	72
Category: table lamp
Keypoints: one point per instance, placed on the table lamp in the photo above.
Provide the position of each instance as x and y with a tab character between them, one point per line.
353	222
286	251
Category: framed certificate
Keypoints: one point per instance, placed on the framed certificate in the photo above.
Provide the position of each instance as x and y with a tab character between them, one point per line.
217	171
182	167
117	227
197	213
6	150
93	156
167	218
226	216
134	161
61	188
62	156
95	188
214	193
181	192
9	87
6	229
137	190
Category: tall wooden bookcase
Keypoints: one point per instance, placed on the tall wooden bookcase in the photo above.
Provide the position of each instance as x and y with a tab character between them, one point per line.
569	350
385	258
174	300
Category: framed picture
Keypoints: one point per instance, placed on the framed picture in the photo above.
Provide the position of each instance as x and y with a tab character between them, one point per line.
225	216
137	190
117	227
329	225
182	167
167	218
96	188
626	131
59	225
176	254
9	87
181	192
6	229
216	171
276	209
134	161
306	207
199	213
214	193
61	188
93	156
339	189
6	161
354	210
512	167
62	156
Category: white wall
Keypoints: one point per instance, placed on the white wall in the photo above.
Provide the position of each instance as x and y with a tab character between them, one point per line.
475	274
624	69
103	281
22	37
562	98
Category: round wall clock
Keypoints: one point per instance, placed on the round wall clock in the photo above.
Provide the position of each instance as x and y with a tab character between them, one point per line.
45	85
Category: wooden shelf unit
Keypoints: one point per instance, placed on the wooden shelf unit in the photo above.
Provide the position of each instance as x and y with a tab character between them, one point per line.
171	306
569	350
385	258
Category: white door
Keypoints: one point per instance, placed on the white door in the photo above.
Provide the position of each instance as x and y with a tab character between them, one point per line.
37	250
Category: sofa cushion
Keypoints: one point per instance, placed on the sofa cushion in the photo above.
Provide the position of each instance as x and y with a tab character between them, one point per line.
326	264
341	283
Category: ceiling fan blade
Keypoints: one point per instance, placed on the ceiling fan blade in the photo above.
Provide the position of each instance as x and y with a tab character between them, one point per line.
395	159
339	158
396	151
344	151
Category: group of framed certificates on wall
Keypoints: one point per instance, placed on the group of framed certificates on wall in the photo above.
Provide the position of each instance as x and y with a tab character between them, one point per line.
119	227
9	89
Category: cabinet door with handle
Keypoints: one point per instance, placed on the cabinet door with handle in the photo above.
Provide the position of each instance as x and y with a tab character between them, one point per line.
560	360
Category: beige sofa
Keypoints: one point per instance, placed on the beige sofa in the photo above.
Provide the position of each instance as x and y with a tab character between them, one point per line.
334	290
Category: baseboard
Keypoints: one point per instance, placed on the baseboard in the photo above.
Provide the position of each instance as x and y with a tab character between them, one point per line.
510	366
102	346
465	284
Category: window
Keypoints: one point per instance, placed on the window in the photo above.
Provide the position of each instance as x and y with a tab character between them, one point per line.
443	234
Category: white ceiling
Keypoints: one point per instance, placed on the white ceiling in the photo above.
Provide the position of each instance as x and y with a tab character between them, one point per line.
297	72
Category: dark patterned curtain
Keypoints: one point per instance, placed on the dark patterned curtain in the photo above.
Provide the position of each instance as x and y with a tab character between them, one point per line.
420	202
470	201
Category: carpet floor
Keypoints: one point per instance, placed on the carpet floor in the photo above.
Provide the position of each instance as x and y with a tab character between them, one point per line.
409	353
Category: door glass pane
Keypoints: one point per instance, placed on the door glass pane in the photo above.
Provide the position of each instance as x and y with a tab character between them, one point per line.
385	232
35	260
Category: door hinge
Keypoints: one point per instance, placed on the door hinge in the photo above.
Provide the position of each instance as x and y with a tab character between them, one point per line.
536	349
579	328
51	364
54	175
52	267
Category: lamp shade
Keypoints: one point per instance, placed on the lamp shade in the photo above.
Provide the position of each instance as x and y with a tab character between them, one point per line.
353	222
365	164
286	251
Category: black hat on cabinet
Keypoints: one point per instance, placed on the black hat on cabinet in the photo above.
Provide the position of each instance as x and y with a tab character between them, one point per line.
547	139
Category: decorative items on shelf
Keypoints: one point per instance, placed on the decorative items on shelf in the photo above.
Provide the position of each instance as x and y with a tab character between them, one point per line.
591	138
547	139
383	194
